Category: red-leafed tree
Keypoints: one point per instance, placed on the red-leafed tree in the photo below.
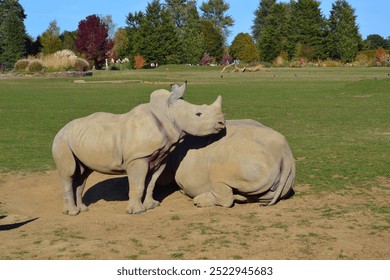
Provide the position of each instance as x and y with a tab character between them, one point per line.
92	40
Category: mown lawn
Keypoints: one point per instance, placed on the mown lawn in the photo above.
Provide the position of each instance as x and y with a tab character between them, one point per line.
337	120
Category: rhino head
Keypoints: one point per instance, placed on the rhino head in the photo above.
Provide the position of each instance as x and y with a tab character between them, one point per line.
197	120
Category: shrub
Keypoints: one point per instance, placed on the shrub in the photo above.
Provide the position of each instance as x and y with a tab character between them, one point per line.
65	54
139	62
227	59
331	63
362	59
281	60
81	65
21	65
35	66
206	59
60	61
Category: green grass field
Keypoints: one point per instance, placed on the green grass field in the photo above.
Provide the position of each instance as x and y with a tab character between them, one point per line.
337	120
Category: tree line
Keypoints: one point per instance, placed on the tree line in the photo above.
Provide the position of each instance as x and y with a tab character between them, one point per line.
177	32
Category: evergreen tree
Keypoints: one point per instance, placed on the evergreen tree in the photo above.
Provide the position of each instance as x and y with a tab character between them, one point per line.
178	11
50	39
244	49
186	18
214	11
13	36
213	40
273	38
32	47
133	22
344	34
260	14
193	39
158	38
306	34
13	39
7	6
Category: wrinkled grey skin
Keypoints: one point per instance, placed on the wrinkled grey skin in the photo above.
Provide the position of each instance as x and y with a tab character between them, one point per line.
135	143
247	162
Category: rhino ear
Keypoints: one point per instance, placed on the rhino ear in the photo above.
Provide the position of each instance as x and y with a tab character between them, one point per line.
174	87
177	93
218	102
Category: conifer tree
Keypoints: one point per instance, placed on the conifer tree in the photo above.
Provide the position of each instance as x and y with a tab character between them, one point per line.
213	40
158	37
273	38
12	39
260	15
344	37
13	36
214	11
186	18
306	34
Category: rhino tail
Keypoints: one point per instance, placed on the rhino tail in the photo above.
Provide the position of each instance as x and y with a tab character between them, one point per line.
285	182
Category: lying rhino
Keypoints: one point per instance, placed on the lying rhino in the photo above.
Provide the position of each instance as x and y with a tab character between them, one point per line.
135	143
247	162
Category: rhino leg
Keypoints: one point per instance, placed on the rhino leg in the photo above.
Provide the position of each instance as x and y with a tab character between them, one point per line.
80	185
150	202
204	200
221	194
136	173
69	201
67	168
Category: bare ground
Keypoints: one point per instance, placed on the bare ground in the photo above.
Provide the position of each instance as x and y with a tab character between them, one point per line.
353	224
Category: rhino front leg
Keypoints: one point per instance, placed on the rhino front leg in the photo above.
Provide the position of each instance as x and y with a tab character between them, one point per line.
136	173
149	201
69	197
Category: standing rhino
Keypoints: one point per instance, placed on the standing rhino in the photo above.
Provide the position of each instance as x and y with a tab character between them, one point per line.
135	143
247	162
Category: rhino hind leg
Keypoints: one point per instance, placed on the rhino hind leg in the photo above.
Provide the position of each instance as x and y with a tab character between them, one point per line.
204	200
79	188
221	194
149	201
70	207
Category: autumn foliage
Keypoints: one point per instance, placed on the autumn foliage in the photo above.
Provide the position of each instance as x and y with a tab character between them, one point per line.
92	40
139	62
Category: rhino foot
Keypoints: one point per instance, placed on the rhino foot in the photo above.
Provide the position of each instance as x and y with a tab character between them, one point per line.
83	208
204	200
72	212
151	203
135	208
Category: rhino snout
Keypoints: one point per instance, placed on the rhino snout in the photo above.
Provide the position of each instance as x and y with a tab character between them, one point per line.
220	125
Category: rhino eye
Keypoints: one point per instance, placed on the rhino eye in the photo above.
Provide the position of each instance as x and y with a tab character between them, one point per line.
199	114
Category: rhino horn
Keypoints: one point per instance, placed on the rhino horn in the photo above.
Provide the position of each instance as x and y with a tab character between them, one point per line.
177	92
218	102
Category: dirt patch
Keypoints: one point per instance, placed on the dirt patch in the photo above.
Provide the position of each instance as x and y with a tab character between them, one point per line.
352	224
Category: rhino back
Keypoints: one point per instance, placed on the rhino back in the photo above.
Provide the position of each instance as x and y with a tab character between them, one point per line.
105	142
247	158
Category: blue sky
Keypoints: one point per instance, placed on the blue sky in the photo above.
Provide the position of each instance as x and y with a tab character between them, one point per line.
372	15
